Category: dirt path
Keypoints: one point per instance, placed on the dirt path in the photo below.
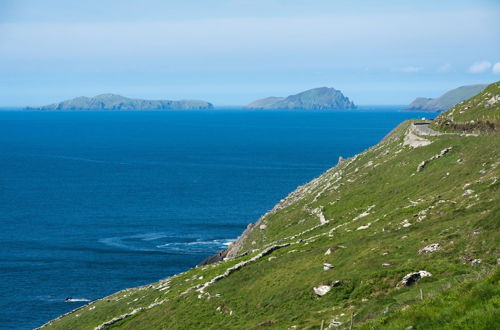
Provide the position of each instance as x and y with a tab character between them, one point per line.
413	137
424	129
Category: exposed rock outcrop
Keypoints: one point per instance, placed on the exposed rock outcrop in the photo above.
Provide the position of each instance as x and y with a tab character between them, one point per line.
322	290
412	278
429	248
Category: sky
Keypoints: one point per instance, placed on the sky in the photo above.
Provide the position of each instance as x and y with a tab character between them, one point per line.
231	52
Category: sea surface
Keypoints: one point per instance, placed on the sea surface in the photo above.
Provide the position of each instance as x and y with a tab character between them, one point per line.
95	202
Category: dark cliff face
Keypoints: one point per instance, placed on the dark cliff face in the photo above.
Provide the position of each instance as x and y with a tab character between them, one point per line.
118	102
322	98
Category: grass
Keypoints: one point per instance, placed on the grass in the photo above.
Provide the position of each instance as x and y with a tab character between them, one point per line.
480	112
452	202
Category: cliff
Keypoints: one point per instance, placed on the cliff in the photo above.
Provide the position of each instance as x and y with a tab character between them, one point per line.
403	235
322	98
445	101
118	102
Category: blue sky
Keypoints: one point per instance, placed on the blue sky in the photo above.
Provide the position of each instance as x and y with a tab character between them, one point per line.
235	51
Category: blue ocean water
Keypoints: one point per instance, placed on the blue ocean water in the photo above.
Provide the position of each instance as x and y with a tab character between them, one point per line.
95	202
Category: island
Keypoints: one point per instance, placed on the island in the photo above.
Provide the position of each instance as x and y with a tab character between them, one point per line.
118	102
445	101
322	98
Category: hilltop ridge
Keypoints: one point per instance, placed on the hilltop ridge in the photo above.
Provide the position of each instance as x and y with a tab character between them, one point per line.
445	101
403	235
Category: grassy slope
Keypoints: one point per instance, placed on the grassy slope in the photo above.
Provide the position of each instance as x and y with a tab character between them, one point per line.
453	202
481	108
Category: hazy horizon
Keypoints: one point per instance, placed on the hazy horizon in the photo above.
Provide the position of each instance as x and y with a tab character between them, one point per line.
231	52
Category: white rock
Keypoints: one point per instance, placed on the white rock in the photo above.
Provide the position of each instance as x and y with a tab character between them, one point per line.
411	278
430	248
334	324
322	290
263	226
405	223
327	266
476	261
468	192
328	252
364	227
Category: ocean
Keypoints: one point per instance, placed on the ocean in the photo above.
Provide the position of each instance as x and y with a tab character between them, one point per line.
95	202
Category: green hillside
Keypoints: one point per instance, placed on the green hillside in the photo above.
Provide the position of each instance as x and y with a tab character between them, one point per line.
481	112
421	205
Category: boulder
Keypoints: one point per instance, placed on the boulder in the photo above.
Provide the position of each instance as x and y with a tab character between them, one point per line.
430	248
476	261
327	266
412	278
322	290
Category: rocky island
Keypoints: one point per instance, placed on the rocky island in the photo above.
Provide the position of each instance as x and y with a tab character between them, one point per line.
404	235
322	98
445	101
118	102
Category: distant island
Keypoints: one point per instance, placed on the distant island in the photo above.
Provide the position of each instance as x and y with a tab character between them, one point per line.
447	100
118	102
322	98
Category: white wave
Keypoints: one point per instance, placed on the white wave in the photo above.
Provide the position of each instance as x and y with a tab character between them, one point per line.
182	243
211	243
77	300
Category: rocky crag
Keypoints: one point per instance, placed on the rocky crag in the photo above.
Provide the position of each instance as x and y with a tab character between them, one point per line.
379	241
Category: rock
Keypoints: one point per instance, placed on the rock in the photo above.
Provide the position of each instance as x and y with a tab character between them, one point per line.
327	266
219	256
476	261
271	258
468	192
322	290
430	248
263	226
405	223
386	264
412	278
364	227
334	324
328	252
443	152
421	166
